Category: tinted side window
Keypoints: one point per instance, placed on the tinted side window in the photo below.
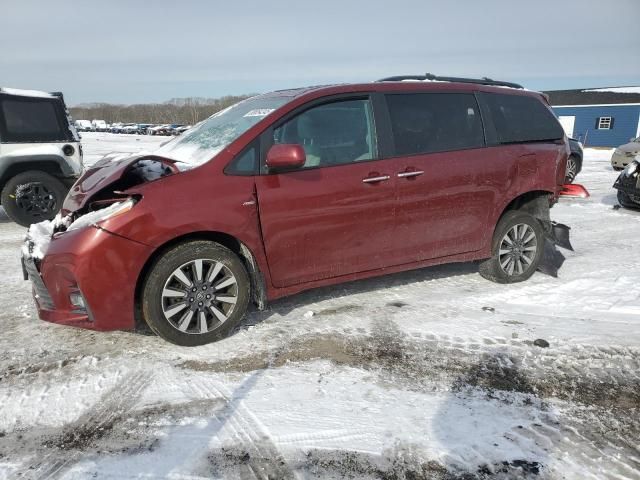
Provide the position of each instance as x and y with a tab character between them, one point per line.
31	120
434	122
332	134
519	118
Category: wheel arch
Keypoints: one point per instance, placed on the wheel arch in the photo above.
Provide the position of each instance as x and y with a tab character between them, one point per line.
258	285
10	167
535	202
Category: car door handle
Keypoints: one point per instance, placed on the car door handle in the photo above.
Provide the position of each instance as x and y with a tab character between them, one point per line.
379	178
410	174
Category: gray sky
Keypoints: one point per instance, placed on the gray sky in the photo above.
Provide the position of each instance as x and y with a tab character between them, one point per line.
130	51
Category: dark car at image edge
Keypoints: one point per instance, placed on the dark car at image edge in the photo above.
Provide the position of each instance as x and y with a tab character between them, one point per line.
303	188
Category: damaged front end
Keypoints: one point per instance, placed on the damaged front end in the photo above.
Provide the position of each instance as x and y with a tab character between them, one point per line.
72	259
628	186
108	188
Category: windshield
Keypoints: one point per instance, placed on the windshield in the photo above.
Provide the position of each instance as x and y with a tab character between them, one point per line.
206	139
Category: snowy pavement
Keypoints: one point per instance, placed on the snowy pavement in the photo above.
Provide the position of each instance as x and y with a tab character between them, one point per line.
434	373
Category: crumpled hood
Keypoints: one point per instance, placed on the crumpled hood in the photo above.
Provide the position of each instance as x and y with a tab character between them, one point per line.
113	171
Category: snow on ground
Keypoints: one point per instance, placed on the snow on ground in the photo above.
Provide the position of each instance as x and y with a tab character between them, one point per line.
96	145
427	374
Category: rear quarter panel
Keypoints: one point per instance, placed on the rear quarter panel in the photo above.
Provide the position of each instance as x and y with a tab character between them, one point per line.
514	170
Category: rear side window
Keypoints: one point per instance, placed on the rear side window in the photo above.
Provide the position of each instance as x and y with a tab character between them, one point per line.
519	118
434	122
31	120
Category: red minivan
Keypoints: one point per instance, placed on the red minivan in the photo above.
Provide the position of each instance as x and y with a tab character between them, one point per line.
298	189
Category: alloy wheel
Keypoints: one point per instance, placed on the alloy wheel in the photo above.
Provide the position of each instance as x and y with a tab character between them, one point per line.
35	199
518	249
199	296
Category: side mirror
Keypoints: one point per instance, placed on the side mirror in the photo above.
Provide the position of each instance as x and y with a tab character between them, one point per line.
286	156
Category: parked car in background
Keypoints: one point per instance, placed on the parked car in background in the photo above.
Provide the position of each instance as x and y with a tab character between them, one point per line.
625	154
159	130
99	125
116	127
181	129
40	154
83	125
130	128
303	188
574	162
142	128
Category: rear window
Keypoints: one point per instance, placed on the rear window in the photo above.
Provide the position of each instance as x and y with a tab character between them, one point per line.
434	122
31	120
519	118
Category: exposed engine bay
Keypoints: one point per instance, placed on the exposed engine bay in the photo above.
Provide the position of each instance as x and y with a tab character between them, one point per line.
113	188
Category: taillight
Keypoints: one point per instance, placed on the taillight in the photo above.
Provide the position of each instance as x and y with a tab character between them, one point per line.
574	190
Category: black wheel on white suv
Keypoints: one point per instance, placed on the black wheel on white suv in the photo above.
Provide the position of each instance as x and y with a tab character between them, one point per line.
32	196
195	293
517	248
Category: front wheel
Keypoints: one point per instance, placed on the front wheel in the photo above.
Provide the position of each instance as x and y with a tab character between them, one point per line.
33	196
195	293
517	247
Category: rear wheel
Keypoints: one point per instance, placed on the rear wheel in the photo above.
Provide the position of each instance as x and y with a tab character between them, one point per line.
195	293
517	248
33	196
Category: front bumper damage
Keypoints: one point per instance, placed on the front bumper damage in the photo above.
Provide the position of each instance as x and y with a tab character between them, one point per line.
85	278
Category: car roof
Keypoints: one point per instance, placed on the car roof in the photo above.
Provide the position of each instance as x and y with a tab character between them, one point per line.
399	86
26	93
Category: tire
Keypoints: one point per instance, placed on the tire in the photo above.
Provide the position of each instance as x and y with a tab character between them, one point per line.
179	318
525	261
573	166
32	196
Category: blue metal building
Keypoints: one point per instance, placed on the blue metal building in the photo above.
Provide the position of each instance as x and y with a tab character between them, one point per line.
602	117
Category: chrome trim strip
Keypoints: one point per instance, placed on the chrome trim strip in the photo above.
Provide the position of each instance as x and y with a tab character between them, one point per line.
410	174
381	178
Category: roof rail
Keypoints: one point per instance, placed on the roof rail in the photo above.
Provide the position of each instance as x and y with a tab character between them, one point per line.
435	78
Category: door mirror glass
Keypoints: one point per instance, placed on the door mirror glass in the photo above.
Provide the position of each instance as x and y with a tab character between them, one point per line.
286	156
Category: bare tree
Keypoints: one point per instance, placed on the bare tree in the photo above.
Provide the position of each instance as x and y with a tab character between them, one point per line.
185	111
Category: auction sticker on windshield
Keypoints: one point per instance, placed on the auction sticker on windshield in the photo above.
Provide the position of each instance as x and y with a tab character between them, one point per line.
259	112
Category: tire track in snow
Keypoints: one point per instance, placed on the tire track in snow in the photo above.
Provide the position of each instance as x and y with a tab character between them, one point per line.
67	447
253	452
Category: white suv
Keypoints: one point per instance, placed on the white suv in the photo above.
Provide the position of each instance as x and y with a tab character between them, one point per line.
40	154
